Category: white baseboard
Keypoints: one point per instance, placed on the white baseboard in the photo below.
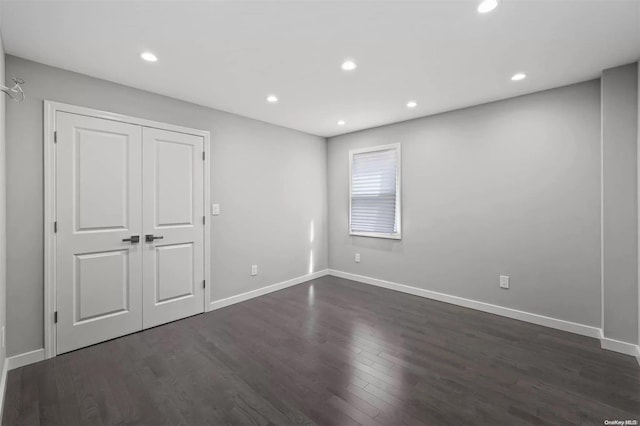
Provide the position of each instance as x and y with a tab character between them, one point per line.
26	358
559	324
619	346
13	362
3	386
265	290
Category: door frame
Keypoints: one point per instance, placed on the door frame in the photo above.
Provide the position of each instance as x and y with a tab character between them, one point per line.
50	239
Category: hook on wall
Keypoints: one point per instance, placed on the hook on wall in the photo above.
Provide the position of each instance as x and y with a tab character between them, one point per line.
15	92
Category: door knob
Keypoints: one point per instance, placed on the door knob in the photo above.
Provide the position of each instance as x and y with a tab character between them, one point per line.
134	239
149	238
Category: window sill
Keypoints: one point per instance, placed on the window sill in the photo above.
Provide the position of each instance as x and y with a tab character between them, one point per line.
375	235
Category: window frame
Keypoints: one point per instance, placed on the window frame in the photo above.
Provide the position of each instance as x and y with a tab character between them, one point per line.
394	236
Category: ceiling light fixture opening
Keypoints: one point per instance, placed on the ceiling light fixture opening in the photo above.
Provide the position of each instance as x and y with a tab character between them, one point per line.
412	104
486	6
349	65
519	76
272	99
341	122
149	57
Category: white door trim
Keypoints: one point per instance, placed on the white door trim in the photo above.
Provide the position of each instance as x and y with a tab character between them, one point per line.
50	110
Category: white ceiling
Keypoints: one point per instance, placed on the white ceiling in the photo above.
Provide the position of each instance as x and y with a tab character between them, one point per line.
230	55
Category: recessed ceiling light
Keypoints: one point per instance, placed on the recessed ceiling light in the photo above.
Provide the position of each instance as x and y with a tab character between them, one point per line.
487	6
272	99
349	65
148	56
519	76
341	123
412	104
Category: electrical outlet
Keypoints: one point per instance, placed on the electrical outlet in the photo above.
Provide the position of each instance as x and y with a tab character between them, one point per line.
215	209
254	270
504	281
357	258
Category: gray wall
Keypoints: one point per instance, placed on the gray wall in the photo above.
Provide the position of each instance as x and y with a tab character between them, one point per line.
620	203
270	182
511	187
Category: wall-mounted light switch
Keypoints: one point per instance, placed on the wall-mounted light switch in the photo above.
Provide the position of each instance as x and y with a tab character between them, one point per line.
215	209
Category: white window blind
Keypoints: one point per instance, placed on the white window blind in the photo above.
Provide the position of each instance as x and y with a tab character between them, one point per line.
375	192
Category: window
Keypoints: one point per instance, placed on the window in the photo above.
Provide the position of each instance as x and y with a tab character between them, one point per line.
374	208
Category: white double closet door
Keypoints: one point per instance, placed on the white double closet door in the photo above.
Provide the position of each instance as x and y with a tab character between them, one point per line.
130	233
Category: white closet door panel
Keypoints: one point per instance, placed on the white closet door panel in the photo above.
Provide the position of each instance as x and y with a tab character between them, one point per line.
175	183
174	273
173	209
98	204
102	180
101	284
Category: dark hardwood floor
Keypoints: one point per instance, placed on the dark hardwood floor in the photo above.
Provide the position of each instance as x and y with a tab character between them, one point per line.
332	351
